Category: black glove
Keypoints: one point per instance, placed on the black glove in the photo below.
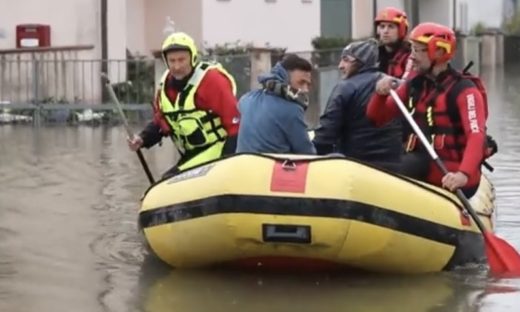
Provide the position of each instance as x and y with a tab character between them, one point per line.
151	135
230	145
491	146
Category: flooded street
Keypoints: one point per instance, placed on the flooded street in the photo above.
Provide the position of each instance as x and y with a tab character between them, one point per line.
68	235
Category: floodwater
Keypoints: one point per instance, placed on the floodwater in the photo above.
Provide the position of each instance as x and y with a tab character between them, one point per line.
69	242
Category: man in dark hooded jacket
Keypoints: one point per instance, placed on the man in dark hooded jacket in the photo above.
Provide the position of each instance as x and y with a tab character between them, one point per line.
344	127
272	117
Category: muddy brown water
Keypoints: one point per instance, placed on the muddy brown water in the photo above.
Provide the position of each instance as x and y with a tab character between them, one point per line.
69	241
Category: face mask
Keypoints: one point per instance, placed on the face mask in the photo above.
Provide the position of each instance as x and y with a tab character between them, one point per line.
287	92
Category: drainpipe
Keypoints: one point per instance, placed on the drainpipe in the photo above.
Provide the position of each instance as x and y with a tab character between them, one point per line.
415	13
104	47
454	19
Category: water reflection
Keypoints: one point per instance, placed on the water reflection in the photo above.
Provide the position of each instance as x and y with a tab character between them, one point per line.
239	291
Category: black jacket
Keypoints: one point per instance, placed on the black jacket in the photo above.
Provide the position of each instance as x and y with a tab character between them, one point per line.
344	127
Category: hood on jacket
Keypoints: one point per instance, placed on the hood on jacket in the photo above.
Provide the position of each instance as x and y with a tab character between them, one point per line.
277	73
277	82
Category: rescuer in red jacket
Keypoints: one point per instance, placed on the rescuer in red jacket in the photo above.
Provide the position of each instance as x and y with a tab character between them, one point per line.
391	26
195	105
450	107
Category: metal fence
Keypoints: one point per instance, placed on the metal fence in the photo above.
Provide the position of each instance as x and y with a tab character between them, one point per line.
70	80
239	66
63	81
65	77
43	80
40	79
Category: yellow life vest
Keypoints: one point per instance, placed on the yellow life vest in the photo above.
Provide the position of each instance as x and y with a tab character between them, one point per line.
192	128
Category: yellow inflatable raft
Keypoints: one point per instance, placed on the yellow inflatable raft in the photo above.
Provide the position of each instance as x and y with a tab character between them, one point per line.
287	211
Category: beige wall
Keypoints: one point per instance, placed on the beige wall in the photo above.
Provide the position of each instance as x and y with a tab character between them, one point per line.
135	27
73	22
390	3
185	13
362	19
282	23
117	39
136	24
438	11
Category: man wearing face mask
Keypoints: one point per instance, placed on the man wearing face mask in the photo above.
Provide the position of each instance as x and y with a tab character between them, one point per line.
195	106
273	115
344	127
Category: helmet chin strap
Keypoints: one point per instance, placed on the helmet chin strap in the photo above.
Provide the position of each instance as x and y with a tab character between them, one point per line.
430	69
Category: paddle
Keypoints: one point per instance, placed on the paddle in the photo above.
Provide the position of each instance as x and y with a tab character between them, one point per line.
503	259
127	127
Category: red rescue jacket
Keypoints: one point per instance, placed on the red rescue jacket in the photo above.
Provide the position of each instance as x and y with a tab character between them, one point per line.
396	64
451	111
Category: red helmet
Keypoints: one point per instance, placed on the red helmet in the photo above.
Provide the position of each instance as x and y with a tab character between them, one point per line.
396	16
435	36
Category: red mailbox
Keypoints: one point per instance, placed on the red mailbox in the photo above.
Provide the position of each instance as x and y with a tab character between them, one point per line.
33	35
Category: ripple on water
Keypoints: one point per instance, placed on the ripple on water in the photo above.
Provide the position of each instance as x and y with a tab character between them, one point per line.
119	248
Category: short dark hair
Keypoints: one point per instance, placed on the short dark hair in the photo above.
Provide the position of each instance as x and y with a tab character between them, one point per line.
292	62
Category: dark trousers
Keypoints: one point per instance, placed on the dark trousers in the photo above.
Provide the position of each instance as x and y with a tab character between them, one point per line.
416	165
394	167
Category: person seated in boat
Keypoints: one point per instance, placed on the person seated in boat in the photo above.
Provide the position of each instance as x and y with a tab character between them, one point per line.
195	105
391	28
272	116
449	106
344	127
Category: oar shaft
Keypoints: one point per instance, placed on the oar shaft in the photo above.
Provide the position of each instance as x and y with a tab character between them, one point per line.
129	131
414	125
119	107
435	158
502	257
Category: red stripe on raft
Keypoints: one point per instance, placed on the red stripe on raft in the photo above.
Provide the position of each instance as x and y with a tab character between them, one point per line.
289	177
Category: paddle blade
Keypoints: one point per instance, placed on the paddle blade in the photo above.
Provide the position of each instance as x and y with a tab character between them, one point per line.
503	259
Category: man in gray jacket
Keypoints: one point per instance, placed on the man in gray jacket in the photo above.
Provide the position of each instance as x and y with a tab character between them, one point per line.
344	127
